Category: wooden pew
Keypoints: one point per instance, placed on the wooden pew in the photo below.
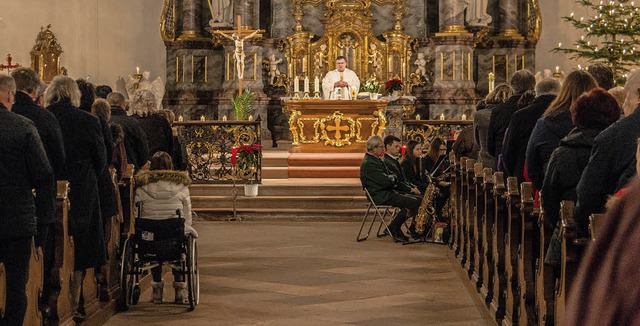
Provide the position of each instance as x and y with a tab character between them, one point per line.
487	234
545	282
478	217
512	238
497	306
527	255
596	223
33	316
455	199
3	290
463	236
572	250
62	270
127	193
470	204
111	271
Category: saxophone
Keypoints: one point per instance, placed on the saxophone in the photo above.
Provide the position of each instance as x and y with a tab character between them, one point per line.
427	211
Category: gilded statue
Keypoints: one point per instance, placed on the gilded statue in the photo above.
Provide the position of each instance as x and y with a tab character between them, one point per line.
375	59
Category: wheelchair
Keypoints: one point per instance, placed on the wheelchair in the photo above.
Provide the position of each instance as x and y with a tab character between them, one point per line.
152	242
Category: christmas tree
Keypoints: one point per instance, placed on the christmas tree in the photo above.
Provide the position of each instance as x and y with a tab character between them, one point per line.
611	35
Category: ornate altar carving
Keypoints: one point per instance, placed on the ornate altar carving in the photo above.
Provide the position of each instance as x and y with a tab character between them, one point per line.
348	32
45	55
168	21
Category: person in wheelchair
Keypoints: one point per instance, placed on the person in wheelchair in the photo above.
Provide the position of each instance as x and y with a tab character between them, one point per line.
161	192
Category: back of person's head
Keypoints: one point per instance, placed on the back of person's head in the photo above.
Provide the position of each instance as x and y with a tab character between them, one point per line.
103	90
88	94
161	161
434	148
596	109
373	141
388	140
116	99
500	94
62	88
101	109
548	86
143	103
526	99
7	85
167	114
632	91
26	79
522	81
619	94
576	83
603	75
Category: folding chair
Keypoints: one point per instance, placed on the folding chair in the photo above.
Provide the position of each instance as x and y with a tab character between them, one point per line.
379	212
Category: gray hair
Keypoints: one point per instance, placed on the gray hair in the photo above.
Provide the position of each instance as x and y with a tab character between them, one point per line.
143	103
61	88
632	89
373	141
548	86
7	83
116	99
26	79
101	109
522	81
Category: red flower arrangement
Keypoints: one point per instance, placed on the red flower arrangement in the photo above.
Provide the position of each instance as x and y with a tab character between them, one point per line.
246	158
393	85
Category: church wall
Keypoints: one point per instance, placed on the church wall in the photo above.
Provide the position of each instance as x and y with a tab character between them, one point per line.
103	39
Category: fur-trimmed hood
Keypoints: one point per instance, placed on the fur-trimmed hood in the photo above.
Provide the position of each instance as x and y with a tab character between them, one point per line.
178	177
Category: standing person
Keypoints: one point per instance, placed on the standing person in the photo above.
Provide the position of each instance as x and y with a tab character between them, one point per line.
342	79
481	120
86	159
411	164
521	127
154	125
554	125
135	140
23	167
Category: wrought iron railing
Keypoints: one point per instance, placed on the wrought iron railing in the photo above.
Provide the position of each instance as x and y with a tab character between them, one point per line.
209	146
424	131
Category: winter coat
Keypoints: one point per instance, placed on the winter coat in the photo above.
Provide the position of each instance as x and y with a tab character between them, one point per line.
545	138
162	192
500	118
158	131
23	167
135	140
613	152
86	159
520	128
481	129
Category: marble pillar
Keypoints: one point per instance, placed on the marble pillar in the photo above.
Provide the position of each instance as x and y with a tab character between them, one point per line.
191	20
508	19
246	9
451	17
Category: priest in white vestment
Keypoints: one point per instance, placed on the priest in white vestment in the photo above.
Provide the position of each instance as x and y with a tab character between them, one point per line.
337	84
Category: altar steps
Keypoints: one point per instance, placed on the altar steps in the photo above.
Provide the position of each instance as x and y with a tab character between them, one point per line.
277	164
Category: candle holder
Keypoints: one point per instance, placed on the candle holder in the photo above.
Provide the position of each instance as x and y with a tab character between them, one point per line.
234	195
306	96
296	96
316	95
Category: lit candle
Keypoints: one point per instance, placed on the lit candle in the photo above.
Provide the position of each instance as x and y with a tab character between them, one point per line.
417	117
224	118
441	116
138	70
557	70
306	84
202	118
464	117
180	118
250	117
234	155
296	85
492	82
316	85
403	150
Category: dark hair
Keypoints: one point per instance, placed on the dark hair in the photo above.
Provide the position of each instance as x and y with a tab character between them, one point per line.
526	99
434	148
88	94
603	75
390	139
341	57
161	161
103	90
26	79
596	109
408	154
522	81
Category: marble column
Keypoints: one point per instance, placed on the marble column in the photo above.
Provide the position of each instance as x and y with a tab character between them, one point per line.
508	14
246	10
451	17
191	15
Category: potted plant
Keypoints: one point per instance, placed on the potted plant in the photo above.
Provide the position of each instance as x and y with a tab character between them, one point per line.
247	166
242	105
372	86
393	86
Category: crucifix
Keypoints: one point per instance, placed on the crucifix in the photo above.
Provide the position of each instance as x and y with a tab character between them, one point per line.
236	35
9	66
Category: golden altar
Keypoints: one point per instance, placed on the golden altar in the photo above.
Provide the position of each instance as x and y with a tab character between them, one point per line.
334	126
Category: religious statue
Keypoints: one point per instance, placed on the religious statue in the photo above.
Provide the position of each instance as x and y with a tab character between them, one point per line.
375	59
137	82
319	59
221	12
238	53
477	13
274	72
421	63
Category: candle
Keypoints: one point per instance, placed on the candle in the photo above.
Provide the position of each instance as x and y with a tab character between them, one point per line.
417	117
306	84
316	85
250	117
492	82
403	150
180	118
234	155
441	116
557	70
296	85
224	118
138	70
464	117
202	118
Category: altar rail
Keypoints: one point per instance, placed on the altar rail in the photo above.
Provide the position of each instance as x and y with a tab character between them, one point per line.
209	144
424	131
500	240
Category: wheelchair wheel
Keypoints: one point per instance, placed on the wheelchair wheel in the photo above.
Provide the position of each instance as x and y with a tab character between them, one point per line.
126	276
193	277
135	295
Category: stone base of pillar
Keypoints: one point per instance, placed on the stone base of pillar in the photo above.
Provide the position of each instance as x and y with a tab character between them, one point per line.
454	30
509	34
192	36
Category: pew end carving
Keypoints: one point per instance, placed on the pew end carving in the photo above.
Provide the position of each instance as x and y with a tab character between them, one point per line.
596	223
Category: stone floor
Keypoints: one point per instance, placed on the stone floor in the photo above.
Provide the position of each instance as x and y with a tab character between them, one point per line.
314	273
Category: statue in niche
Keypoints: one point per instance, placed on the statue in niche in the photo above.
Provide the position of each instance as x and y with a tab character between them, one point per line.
375	59
221	12
347	45
139	82
274	72
477	13
319	60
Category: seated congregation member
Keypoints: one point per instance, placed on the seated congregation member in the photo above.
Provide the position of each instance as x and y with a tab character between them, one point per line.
155	126
554	125
436	165
23	166
86	160
390	160
612	158
412	166
603	75
161	191
481	121
465	145
382	186
135	139
102	91
521	126
591	113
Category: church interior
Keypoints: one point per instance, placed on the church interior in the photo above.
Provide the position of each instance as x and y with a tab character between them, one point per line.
288	227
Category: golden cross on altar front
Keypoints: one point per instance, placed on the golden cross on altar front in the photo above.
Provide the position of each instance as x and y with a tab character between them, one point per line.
9	66
338	128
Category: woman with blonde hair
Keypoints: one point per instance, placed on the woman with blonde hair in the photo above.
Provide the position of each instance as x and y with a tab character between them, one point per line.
155	126
481	120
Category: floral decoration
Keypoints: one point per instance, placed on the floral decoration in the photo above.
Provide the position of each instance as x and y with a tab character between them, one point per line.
393	85
371	85
248	156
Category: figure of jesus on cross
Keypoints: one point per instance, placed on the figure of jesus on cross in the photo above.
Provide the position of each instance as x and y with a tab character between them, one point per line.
238	53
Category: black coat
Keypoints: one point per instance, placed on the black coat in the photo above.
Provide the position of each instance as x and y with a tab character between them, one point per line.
544	139
135	140
393	166
377	179
500	118
51	136
414	175
520	128
158	131
86	159
23	167
613	153
481	120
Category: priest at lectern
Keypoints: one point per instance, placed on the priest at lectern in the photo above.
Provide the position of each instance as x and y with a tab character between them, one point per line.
341	83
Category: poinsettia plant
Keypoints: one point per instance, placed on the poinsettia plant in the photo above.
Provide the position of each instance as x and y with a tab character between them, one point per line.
393	85
247	161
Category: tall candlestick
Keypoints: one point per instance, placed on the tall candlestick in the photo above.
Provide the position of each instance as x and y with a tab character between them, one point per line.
316	84
557	70
296	84
306	84
492	82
